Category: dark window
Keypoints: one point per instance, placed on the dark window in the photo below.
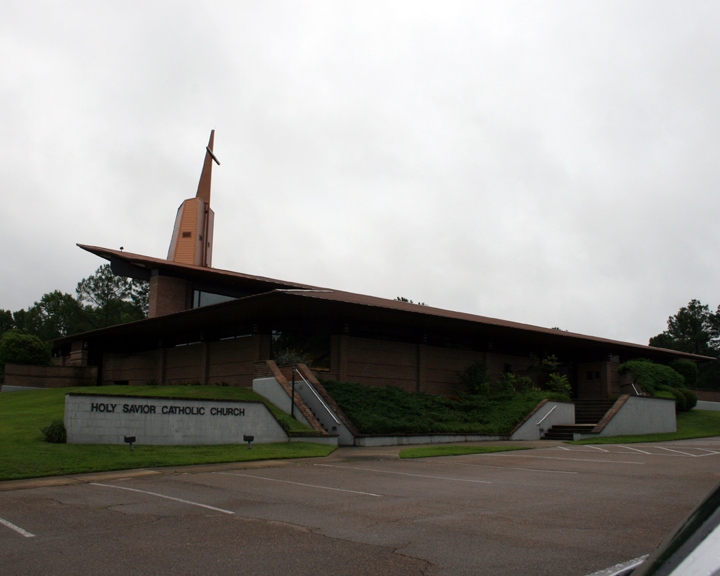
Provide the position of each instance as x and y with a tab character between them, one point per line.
597	375
589	375
187	234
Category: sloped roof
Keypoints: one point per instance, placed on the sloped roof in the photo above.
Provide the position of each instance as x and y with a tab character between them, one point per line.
275	299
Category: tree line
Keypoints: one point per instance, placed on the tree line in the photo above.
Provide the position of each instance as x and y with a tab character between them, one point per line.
695	329
100	300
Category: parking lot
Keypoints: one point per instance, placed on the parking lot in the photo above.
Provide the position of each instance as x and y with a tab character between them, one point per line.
560	509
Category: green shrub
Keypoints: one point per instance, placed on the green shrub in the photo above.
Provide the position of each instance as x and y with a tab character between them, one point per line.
667	395
652	377
558	383
680	400
19	348
55	432
709	377
390	410
690	398
688	370
475	378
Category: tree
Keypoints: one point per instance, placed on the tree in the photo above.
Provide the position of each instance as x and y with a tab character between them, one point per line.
56	315
111	299
403	299
19	348
693	329
6	321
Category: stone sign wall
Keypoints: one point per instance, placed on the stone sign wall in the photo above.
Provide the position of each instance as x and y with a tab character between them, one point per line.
98	419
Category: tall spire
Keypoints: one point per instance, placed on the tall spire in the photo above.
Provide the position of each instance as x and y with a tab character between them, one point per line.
203	191
193	232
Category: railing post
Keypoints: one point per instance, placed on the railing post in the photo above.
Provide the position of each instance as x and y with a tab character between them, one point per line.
292	402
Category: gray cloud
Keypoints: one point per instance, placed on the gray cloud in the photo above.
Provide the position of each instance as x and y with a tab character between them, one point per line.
549	163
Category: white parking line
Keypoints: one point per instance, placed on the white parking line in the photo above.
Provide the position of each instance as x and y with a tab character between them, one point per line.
598	448
163	496
299	483
573	459
505	467
636	449
405	474
677	451
16	528
706	450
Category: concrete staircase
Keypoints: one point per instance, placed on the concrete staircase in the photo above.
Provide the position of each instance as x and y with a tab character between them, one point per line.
587	415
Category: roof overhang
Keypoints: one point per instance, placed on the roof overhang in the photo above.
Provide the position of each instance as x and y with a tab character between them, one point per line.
339	312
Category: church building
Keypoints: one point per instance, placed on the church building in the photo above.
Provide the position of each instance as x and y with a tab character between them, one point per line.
212	326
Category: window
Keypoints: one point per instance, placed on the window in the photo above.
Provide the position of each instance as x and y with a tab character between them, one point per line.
187	234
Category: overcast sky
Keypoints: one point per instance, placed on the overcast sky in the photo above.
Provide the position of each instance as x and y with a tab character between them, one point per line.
553	163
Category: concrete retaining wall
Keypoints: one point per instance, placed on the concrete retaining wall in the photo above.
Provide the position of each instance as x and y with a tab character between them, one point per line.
551	413
271	389
98	419
704	405
637	415
6	388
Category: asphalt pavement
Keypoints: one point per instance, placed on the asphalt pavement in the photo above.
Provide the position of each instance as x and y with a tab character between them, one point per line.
557	509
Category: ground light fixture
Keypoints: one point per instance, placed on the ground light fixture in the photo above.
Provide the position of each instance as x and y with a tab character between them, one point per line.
249	440
130	440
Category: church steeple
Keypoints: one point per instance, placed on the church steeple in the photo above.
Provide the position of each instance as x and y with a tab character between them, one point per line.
193	232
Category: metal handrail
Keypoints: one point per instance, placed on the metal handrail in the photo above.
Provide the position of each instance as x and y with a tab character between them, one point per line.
546	415
312	389
635	389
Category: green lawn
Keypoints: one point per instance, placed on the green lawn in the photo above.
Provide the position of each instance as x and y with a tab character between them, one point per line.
24	454
692	424
428	451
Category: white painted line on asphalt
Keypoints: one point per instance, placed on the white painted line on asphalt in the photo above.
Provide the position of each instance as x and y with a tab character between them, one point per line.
706	450
16	528
573	459
636	449
677	451
300	484
562	448
506	467
598	448
163	496
404	474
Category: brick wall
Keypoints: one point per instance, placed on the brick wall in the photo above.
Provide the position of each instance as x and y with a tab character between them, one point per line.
442	366
50	376
707	395
168	295
224	361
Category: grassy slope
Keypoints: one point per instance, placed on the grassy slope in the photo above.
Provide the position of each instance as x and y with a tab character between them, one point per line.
693	424
24	454
390	410
428	451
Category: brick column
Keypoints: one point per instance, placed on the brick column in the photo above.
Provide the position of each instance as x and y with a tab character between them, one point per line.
204	363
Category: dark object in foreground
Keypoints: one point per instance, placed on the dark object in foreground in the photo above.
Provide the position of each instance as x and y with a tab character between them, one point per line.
691	549
130	440
249	440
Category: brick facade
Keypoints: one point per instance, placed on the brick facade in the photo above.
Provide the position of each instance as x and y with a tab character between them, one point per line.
168	295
